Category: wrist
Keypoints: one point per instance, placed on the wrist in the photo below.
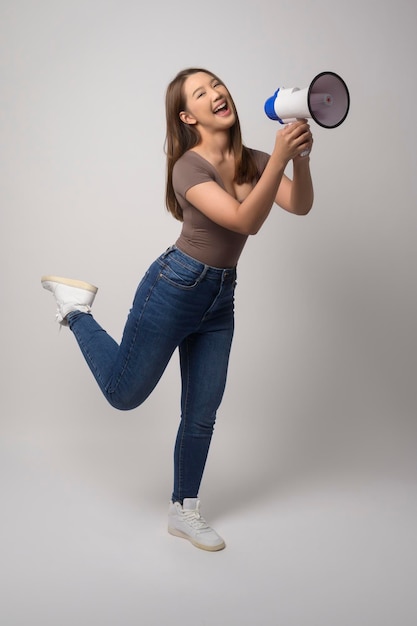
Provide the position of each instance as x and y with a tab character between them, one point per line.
278	162
302	161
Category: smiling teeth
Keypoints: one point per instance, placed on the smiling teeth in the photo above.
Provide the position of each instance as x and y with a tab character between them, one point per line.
222	106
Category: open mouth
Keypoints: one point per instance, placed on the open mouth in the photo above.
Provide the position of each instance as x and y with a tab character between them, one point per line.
222	109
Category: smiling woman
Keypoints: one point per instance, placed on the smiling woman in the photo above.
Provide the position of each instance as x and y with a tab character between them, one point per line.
222	191
210	96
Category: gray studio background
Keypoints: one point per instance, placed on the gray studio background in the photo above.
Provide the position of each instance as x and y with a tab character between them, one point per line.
312	472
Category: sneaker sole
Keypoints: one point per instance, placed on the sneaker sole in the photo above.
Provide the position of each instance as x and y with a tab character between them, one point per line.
80	284
178	533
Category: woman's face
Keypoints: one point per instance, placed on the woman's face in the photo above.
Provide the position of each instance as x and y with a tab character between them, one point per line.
207	102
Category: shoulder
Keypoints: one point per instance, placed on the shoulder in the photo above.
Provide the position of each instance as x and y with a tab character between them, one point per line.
261	159
191	169
193	160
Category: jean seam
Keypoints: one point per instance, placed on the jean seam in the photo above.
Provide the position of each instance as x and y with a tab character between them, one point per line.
214	302
112	388
88	354
183	425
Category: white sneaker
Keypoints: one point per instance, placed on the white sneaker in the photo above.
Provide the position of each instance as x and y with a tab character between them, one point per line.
185	521
70	295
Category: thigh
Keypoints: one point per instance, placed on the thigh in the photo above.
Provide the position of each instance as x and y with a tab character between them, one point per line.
204	361
162	314
147	344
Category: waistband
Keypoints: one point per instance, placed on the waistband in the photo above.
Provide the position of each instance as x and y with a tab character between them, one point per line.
198	266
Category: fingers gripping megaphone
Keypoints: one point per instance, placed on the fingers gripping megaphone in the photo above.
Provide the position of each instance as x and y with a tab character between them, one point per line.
326	101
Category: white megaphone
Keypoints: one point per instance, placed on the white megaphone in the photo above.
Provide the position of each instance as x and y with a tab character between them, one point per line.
326	101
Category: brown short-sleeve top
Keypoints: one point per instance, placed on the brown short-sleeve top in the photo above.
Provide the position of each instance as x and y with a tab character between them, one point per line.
200	237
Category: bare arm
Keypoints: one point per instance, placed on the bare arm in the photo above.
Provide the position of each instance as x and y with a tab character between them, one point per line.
297	195
248	216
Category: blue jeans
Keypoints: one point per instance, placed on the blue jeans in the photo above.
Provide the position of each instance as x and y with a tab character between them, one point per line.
181	303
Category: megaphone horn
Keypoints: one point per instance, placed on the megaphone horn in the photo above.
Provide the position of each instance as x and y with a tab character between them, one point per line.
326	101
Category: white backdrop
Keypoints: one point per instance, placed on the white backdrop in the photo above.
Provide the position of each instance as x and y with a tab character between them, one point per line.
322	380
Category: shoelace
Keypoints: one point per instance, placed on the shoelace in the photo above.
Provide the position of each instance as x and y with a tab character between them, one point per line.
194	519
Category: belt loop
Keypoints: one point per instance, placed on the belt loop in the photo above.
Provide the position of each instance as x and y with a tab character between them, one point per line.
168	251
226	274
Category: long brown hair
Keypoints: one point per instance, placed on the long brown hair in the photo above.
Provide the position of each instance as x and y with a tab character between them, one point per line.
181	137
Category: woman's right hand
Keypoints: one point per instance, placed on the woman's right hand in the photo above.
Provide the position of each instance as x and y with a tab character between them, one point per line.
292	140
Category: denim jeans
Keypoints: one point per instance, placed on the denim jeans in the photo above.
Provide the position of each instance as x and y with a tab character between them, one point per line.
181	303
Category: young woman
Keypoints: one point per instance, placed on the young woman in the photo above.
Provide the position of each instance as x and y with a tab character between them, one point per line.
222	192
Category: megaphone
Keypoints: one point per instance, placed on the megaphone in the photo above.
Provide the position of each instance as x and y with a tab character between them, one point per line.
326	101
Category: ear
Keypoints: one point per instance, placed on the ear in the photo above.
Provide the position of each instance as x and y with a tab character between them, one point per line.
187	118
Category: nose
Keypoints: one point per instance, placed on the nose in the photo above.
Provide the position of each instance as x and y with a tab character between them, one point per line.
216	94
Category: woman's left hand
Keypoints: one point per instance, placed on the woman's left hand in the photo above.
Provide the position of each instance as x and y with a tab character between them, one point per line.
307	145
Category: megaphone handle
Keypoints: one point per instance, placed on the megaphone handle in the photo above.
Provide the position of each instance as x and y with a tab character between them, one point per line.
304	153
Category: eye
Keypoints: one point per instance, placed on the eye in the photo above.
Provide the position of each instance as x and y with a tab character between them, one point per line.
200	94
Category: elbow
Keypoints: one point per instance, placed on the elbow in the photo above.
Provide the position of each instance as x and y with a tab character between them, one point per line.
251	229
247	232
305	208
248	228
254	225
304	211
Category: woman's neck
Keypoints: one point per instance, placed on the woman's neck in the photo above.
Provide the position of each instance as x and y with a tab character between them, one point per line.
215	148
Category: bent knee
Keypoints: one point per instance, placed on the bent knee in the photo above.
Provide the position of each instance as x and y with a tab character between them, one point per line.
123	404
